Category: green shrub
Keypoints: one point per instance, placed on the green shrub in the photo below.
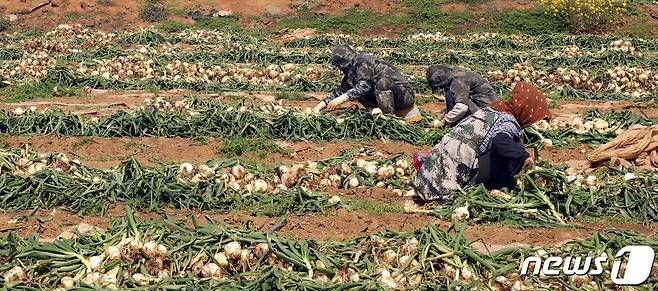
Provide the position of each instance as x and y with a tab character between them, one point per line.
587	15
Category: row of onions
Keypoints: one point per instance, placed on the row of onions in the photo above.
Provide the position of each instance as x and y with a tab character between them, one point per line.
203	117
227	185
168	254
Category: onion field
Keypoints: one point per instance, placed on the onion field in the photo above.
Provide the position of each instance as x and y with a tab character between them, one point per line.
191	160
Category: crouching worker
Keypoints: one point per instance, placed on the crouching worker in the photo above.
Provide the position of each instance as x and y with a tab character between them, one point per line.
466	91
372	82
483	148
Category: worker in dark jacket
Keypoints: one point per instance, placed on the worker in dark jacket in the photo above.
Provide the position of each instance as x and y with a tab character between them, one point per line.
373	82
466	91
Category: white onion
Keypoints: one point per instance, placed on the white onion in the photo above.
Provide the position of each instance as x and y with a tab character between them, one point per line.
402	164
371	168
334	200
96	262
238	171
591	180
211	270
345	168
261	250
92	278
461	213
221	259
547	143
19	111
113	253
232	250
15	274
629	176
354	182
389	257
66	282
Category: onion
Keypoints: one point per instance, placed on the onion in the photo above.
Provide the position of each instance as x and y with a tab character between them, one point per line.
386	279
404	261
499	194
466	273
260	186
152	249
232	250
402	164
92	278
600	124
371	168
234	185
389	257
15	274
113	253
353	183
245	257
335	178
66	283
211	270
334	200
19	111
518	286
591	180
261	250
96	262
461	213
23	162
288	179
547	143
376	111
238	171
380	184
312	165
629	176
361	163
345	168
221	259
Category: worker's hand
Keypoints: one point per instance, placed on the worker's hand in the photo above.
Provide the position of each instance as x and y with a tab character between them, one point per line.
333	104
529	164
320	106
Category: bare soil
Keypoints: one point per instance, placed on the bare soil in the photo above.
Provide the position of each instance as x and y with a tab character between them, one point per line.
112	15
341	224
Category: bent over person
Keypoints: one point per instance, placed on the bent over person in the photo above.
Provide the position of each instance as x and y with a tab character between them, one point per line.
373	82
466	91
485	148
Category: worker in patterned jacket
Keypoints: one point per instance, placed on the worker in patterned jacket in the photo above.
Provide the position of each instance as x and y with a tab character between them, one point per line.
484	147
466	91
372	82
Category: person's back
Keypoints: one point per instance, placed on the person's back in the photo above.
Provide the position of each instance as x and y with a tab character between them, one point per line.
481	92
465	91
372	82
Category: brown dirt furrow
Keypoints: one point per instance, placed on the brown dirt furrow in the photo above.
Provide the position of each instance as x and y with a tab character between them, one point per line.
103	102
338	225
107	152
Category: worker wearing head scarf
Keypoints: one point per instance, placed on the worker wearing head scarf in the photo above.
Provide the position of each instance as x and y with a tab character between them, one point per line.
373	82
466	91
483	148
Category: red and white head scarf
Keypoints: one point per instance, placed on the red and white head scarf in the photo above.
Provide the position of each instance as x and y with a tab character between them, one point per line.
527	104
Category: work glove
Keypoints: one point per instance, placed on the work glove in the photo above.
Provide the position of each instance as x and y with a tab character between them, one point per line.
333	104
320	106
